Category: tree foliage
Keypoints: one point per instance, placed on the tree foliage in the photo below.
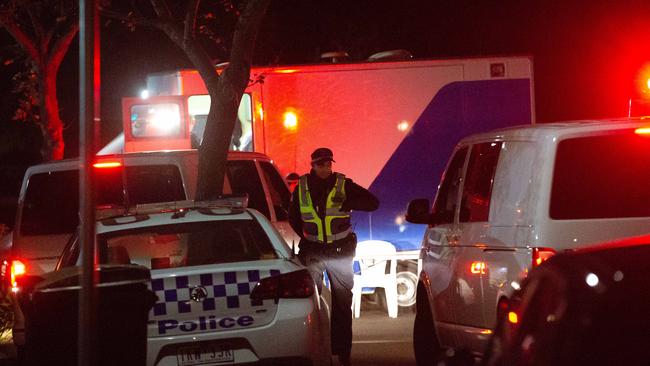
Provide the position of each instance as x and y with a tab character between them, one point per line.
44	30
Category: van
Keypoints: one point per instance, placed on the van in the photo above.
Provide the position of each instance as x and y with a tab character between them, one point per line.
48	203
510	199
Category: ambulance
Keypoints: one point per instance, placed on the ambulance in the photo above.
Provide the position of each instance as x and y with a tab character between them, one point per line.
381	119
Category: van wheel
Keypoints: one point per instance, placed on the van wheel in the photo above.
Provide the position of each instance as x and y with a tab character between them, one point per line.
425	341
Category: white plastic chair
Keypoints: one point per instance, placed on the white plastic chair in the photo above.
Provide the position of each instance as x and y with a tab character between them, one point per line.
372	256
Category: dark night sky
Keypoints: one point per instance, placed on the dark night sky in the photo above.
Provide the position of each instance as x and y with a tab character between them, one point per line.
587	54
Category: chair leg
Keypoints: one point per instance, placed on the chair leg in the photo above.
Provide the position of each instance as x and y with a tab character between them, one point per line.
391	300
356	300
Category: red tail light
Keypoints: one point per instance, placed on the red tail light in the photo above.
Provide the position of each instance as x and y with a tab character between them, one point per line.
18	269
292	285
541	255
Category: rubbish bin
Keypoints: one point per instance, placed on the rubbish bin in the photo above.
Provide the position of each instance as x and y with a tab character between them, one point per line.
51	312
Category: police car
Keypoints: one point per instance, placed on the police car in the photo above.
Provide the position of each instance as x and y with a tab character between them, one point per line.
229	288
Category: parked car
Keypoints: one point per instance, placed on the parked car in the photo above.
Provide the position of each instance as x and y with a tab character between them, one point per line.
49	198
584	308
226	283
509	200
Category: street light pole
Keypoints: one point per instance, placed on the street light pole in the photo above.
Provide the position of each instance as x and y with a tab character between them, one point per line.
88	119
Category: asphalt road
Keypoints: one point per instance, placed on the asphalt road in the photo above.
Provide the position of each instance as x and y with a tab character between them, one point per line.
381	341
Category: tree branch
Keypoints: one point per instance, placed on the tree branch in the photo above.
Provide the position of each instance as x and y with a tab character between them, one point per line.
190	18
60	47
24	40
38	28
243	43
153	23
161	8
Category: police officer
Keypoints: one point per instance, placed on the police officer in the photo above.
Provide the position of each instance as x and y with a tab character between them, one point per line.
320	215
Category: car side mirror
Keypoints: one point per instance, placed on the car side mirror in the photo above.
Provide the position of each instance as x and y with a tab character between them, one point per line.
418	211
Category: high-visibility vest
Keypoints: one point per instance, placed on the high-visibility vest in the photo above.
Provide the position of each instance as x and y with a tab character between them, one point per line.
336	223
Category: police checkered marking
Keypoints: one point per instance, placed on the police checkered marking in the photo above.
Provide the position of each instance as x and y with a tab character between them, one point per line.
224	290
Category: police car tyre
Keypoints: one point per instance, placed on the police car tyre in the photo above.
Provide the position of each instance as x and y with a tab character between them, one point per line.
425	341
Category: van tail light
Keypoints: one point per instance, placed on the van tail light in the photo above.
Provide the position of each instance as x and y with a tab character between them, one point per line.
541	255
18	269
292	285
478	268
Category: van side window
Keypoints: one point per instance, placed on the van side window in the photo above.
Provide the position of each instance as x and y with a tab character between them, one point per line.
477	191
244	178
447	197
278	190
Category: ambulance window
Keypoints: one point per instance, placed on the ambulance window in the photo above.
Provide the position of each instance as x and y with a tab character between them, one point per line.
278	190
156	120
447	197
477	190
185	245
242	135
244	178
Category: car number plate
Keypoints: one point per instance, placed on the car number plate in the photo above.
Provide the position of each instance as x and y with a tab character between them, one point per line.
205	354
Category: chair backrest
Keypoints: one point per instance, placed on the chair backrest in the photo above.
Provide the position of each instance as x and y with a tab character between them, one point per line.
373	257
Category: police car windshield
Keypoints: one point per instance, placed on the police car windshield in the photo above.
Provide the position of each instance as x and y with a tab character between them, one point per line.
189	244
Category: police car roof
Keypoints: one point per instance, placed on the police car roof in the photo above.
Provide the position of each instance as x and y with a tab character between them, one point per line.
169	213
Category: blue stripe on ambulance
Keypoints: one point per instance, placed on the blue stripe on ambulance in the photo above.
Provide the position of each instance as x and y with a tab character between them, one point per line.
415	168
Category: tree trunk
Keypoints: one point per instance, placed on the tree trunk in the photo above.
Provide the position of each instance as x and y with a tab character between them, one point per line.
51	123
225	96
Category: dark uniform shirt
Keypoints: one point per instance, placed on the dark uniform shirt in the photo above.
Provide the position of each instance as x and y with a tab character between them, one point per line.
356	198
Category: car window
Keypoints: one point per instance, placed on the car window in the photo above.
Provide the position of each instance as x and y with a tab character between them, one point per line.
477	190
601	177
278	190
52	199
447	197
244	178
186	245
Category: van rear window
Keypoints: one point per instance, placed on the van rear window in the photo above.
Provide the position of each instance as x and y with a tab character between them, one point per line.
601	177
52	199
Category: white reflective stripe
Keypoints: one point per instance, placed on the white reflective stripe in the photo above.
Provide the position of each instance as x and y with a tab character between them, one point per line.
338	236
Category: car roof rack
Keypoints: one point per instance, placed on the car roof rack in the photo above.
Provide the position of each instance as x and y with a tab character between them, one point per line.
224	201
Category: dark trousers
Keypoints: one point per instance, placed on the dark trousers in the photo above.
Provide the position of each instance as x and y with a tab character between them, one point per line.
335	258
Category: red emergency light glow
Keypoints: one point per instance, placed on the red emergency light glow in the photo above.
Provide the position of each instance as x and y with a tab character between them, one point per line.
287	71
290	120
107	164
643	130
478	267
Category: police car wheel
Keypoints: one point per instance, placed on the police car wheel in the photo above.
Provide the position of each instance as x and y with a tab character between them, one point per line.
425	341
